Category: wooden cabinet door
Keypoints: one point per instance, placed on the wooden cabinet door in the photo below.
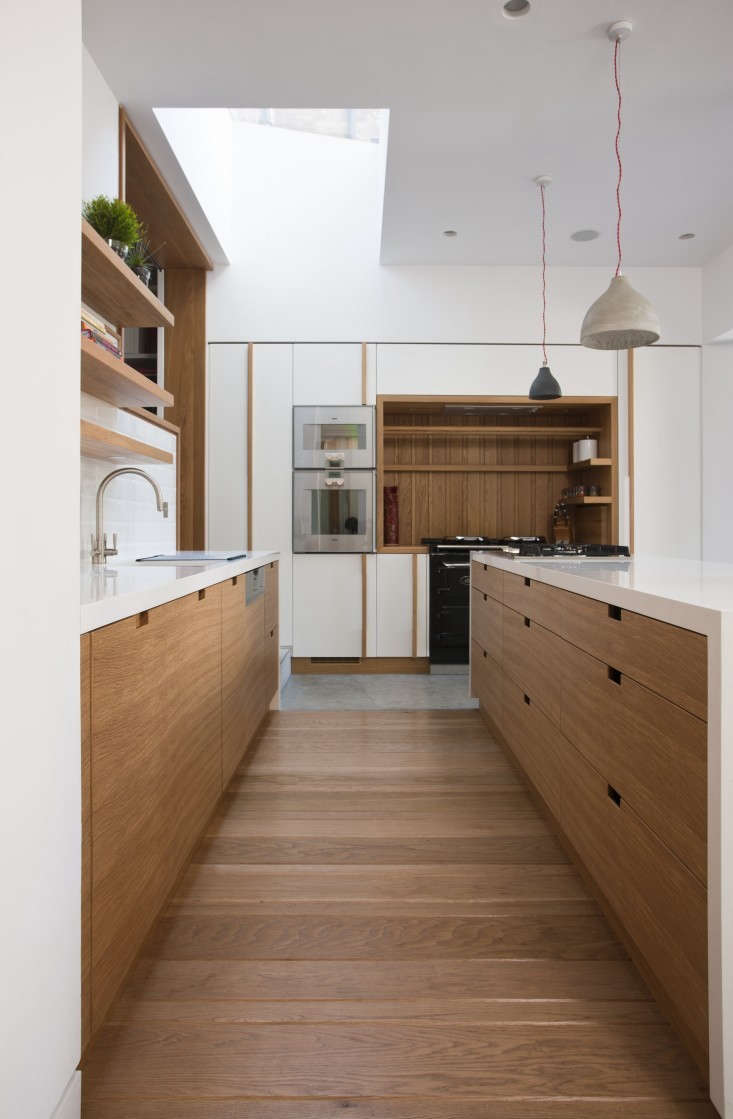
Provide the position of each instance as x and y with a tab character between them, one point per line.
156	769
327	605
242	646
86	838
272	594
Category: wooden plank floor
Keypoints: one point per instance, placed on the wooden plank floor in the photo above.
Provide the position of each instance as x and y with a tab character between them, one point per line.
379	920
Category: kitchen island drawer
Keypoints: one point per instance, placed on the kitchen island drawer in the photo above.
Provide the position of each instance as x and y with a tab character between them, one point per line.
661	906
667	659
487	682
652	751
486	622
532	657
487	579
519	593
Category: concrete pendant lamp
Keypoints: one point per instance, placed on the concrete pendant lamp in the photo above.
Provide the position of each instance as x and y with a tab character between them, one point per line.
621	319
544	386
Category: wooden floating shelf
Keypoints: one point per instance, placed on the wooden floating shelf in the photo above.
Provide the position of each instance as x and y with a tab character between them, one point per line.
471	468
113	290
587	500
108	377
588	462
509	432
100	442
404	549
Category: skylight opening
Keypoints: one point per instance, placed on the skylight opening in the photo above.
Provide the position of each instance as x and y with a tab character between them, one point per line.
345	124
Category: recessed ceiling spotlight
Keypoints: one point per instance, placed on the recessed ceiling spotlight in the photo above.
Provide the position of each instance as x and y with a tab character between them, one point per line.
584	235
686	236
450	233
513	9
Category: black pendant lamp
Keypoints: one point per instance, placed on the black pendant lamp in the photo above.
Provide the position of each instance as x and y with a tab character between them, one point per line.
544	386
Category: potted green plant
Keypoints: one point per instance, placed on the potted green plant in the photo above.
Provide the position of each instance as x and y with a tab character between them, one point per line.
141	259
115	221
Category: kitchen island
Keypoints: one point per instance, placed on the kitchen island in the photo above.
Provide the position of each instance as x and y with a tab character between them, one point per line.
607	682
179	667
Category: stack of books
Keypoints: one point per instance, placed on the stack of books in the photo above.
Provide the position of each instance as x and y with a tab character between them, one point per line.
97	329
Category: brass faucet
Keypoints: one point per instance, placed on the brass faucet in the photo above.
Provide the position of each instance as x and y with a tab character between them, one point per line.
100	551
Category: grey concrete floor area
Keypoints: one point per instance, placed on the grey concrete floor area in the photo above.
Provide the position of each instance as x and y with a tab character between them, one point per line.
359	692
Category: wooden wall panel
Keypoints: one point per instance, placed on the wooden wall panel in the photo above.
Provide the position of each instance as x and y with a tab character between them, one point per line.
185	377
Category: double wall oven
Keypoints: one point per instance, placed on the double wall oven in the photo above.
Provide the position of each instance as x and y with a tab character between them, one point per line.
333	479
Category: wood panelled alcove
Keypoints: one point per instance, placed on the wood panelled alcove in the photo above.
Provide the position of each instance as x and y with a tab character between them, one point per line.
494	466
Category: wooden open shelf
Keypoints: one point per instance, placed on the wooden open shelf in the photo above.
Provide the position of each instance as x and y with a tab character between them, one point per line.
497	470
108	377
458	432
100	442
476	468
588	500
113	290
585	464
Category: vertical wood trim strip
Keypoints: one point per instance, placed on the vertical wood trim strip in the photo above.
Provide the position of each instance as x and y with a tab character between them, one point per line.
380	473
630	437
363	372
363	604
121	153
414	604
250	450
178	492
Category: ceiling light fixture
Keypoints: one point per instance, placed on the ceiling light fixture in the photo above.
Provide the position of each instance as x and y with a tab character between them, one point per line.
450	233
584	235
544	386
686	236
621	319
515	9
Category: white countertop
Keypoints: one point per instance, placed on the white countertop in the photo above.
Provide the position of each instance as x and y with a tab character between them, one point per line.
120	590
687	593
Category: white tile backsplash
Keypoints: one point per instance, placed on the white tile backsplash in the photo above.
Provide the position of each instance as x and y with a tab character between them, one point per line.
129	504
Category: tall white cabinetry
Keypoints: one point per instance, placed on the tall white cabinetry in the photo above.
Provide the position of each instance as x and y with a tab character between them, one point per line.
327	606
330	373
226	447
401	606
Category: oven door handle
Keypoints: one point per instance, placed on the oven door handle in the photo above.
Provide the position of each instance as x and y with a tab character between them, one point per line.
450	566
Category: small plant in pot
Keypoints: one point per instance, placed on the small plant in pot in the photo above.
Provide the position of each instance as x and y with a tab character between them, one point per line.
141	259
115	221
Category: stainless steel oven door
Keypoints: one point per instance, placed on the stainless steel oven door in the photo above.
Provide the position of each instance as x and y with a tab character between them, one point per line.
333	511
333	438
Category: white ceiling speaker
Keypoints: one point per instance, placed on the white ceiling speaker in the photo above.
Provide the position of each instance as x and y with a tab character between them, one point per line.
621	318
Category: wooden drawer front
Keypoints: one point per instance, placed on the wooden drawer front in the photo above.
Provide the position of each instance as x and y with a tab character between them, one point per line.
487	579
486	683
662	907
271	671
653	752
532	658
155	769
668	660
272	594
486	622
519	593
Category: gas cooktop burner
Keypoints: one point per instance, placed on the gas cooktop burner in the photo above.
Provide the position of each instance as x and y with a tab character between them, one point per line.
588	551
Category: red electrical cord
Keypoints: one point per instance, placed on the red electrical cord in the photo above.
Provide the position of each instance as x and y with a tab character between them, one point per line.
618	152
544	276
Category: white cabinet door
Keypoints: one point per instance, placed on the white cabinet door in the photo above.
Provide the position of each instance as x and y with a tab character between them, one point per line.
328	373
401	604
667	452
272	466
226	447
327	606
456	370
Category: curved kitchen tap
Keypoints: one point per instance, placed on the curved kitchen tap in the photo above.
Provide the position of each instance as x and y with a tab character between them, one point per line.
100	551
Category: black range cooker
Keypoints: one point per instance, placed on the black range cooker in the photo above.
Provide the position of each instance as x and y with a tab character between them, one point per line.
450	581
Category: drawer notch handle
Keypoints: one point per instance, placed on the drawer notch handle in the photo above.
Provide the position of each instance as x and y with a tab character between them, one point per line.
202	594
142	619
527	700
527	622
615	613
527	582
614	795
614	675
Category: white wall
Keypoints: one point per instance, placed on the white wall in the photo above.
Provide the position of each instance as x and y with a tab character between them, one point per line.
100	114
40	814
305	266
202	142
717	294
717	426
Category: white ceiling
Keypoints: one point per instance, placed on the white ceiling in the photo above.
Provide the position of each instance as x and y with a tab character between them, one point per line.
478	105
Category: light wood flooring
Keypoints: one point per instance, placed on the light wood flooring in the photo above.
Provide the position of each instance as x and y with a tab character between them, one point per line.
379	920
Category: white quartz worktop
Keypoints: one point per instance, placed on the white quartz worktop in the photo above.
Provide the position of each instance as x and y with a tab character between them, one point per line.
683	592
120	590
